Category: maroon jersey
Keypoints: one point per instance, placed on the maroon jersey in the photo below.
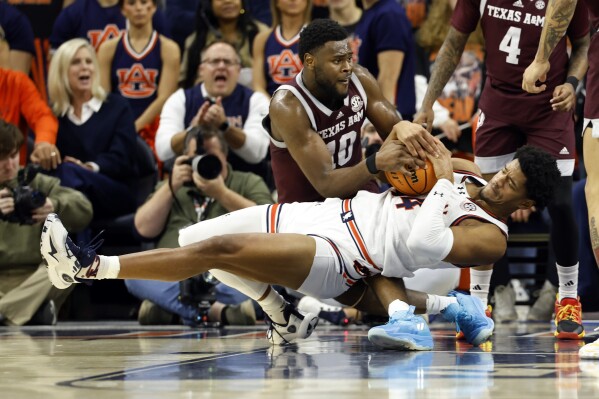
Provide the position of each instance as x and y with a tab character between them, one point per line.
512	30
339	129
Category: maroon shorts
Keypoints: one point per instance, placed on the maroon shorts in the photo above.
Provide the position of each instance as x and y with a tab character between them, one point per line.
497	141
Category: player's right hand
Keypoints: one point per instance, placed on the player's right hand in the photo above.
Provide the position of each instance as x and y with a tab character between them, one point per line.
537	71
394	156
442	163
425	118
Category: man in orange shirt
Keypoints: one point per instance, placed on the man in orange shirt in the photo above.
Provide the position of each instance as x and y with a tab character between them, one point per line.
19	99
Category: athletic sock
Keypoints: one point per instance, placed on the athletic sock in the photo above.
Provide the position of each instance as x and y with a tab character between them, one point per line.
435	304
336	317
102	267
274	305
397	306
480	280
568	281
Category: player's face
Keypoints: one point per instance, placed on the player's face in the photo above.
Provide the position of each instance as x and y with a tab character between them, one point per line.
508	186
82	72
220	70
226	9
333	68
9	166
139	12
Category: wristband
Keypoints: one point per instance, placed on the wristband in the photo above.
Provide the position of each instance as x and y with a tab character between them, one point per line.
573	81
371	164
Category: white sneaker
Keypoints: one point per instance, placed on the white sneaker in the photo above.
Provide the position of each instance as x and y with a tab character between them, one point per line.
589	351
56	252
297	326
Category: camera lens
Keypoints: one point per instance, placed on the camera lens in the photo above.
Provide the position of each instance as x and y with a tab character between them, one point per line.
208	166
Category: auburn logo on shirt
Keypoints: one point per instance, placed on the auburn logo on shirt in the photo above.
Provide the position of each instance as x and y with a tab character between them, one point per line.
99	36
137	81
284	66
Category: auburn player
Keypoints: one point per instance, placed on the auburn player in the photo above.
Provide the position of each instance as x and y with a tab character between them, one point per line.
141	65
275	53
511	117
329	247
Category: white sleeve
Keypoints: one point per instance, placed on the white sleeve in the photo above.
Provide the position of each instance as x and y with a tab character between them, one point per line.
429	236
172	121
441	113
256	142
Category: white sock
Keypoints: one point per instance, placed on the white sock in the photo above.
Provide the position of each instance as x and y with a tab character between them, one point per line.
103	267
273	305
568	281
480	280
397	306
436	303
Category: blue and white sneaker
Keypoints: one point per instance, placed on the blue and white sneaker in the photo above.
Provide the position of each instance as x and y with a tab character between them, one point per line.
404	331
470	318
66	262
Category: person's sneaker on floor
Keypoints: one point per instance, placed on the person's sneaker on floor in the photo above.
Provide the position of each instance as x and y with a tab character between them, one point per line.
298	326
150	314
568	319
459	335
67	263
504	310
542	309
403	331
470	318
590	351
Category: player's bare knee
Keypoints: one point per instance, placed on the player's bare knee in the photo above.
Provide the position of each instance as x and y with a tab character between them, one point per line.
219	246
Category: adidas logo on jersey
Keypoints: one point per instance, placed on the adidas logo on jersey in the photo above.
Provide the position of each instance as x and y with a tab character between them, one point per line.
518	3
564	151
339	115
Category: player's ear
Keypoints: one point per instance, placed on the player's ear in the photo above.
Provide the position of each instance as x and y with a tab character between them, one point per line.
308	61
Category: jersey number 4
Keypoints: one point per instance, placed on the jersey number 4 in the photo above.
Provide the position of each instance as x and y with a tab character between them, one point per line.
510	45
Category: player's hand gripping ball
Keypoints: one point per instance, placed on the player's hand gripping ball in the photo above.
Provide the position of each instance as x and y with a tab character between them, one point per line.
419	182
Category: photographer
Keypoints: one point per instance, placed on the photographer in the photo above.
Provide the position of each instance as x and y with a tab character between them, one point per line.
185	199
25	293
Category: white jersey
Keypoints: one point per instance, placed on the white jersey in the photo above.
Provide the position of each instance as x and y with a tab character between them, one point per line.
370	231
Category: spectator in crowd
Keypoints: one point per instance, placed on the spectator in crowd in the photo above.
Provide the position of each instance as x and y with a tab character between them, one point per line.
276	59
219	102
386	49
17	33
141	65
26	297
96	132
96	21
20	99
189	198
215	21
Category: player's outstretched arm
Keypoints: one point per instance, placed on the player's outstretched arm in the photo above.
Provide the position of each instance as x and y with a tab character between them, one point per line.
445	64
557	18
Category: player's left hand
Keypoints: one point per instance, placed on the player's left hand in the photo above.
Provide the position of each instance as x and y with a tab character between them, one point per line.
416	138
39	214
522	215
442	163
536	71
564	98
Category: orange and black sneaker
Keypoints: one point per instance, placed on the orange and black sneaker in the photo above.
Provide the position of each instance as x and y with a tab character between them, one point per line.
568	319
460	335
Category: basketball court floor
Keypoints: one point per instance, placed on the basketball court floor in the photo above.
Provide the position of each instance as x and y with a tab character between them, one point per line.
124	360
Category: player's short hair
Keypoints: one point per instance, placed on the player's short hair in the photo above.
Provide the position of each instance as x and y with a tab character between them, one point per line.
318	33
11	139
542	174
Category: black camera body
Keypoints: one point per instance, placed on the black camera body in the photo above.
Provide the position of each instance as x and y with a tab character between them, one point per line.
26	198
207	165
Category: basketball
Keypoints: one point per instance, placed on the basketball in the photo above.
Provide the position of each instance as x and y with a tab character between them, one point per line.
419	182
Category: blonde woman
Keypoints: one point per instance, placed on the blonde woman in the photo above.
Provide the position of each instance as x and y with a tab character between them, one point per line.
96	131
276	59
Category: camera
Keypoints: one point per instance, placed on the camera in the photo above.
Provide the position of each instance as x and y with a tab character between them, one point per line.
199	292
26	198
207	165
